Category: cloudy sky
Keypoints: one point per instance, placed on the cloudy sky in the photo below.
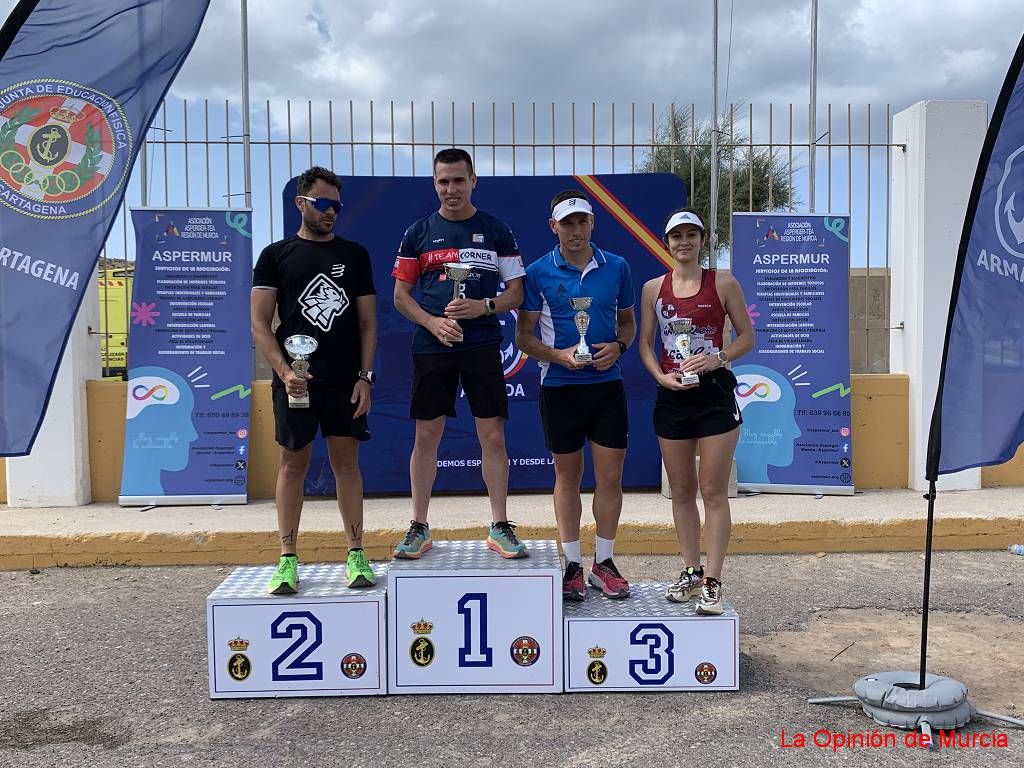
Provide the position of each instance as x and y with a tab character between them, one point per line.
643	50
874	52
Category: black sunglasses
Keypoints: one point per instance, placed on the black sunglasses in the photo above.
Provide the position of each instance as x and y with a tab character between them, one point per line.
323	203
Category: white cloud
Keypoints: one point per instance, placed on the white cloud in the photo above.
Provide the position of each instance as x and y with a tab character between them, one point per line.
606	50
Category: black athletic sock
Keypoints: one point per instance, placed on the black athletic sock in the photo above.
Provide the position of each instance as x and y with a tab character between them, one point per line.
289	554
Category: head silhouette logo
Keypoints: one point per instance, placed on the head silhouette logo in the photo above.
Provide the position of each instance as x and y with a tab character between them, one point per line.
1009	211
159	430
767	401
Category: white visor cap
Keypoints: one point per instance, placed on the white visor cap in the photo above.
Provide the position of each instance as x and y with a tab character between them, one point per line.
683	217
571	206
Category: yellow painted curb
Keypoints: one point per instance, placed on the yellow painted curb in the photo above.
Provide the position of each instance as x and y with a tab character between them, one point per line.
244	548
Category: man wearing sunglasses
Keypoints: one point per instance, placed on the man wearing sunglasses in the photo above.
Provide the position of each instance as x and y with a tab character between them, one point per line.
321	285
458	339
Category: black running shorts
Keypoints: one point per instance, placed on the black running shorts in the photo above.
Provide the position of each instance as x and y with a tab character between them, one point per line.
575	413
710	409
330	411
436	378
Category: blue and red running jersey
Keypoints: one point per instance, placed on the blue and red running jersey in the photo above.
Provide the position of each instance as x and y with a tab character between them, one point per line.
481	242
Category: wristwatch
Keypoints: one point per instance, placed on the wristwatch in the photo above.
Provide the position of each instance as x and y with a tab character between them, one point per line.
369	377
722	357
489	307
623	346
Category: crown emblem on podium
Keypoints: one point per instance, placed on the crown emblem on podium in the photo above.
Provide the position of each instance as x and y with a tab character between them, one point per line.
66	115
597	652
238	644
422	627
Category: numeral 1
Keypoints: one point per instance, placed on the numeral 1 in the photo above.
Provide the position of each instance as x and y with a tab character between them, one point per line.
474	651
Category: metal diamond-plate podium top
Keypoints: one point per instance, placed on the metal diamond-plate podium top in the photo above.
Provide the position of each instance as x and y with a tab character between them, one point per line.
474	555
315	580
645	599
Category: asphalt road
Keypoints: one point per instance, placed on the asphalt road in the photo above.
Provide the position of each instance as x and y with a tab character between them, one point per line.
107	667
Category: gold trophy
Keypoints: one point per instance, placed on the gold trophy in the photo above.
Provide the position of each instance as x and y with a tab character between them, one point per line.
300	347
681	328
581	305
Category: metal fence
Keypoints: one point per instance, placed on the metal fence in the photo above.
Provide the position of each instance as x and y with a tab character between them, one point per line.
194	156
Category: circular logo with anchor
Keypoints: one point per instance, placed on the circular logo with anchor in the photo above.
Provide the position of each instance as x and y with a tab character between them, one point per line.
239	667
421	651
597	672
64	148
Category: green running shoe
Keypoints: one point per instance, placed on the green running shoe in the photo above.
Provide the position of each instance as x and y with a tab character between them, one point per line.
503	540
286	578
358	570
416	541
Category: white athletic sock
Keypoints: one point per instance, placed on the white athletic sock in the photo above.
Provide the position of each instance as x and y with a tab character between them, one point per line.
605	549
572	551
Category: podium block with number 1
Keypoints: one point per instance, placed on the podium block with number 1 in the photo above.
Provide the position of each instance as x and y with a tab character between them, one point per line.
463	620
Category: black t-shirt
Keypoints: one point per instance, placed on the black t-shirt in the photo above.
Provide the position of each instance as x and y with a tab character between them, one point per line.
317	285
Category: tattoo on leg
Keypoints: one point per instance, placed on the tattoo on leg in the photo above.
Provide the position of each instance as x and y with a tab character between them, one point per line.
356	530
289	538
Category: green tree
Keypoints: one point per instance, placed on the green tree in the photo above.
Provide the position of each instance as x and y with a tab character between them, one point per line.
684	149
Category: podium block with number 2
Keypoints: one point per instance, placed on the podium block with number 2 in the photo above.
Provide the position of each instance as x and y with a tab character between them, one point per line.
325	641
463	620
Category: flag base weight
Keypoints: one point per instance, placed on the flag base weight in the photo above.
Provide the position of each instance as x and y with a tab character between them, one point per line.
897	700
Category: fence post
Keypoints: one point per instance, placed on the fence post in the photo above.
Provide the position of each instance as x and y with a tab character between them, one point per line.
931	182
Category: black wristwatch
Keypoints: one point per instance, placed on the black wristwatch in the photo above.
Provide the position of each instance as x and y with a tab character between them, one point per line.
623	346
369	377
489	307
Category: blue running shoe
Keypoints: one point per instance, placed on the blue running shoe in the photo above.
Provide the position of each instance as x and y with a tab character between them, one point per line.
416	541
503	540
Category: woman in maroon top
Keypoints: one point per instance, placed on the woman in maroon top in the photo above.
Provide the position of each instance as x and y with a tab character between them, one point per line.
701	417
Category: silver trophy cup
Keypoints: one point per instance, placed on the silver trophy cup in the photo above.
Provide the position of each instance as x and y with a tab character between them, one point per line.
581	305
300	347
681	328
457	275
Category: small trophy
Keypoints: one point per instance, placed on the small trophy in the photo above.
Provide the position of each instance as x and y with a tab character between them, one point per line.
681	328
581	305
456	275
300	347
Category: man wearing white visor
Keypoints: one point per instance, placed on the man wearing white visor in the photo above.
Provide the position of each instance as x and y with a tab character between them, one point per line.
582	398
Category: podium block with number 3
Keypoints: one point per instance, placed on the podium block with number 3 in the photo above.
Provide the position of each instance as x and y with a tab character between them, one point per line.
463	620
646	643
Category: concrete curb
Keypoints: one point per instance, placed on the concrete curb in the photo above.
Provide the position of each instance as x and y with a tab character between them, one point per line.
259	547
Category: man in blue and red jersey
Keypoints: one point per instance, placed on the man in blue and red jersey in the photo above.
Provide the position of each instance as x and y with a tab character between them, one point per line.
458	340
581	400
